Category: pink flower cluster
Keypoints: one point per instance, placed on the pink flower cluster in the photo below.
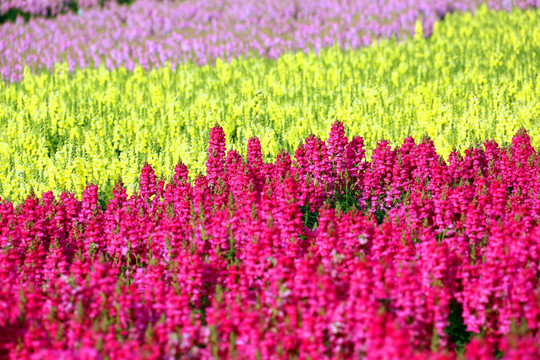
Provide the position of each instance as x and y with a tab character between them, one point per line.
34	7
324	255
47	7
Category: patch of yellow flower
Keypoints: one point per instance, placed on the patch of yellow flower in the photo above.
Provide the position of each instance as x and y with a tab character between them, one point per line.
476	78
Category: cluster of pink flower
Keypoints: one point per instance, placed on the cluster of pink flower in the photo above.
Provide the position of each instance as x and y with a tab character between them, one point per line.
46	7
326	255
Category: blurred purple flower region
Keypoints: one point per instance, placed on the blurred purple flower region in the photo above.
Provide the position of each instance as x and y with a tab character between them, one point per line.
152	33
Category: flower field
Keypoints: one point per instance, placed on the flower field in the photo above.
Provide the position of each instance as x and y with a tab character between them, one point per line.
62	131
261	180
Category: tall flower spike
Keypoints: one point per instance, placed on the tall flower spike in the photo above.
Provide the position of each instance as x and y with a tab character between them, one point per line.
89	201
355	156
337	142
181	173
254	153
147	181
215	166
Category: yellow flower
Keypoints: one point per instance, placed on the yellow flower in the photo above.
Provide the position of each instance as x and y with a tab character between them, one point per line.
476	78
